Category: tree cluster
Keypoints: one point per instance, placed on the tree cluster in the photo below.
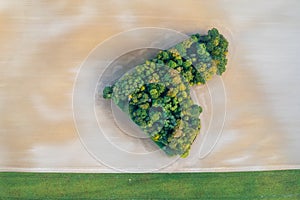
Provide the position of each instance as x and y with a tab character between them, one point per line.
156	94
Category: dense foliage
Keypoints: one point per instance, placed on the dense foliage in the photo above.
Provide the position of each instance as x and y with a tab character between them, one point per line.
217	46
156	94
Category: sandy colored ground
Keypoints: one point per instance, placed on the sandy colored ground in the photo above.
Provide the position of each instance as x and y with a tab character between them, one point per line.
44	43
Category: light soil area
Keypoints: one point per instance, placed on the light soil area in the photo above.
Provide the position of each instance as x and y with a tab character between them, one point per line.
44	44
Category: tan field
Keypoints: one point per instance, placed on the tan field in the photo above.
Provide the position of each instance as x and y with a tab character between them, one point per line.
44	45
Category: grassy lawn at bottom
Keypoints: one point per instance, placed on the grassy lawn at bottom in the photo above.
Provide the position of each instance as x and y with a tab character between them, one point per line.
230	185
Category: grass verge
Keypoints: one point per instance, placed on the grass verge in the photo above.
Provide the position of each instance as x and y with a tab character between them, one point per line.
228	185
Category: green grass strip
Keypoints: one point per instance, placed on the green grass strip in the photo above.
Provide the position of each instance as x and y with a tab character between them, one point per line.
230	185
